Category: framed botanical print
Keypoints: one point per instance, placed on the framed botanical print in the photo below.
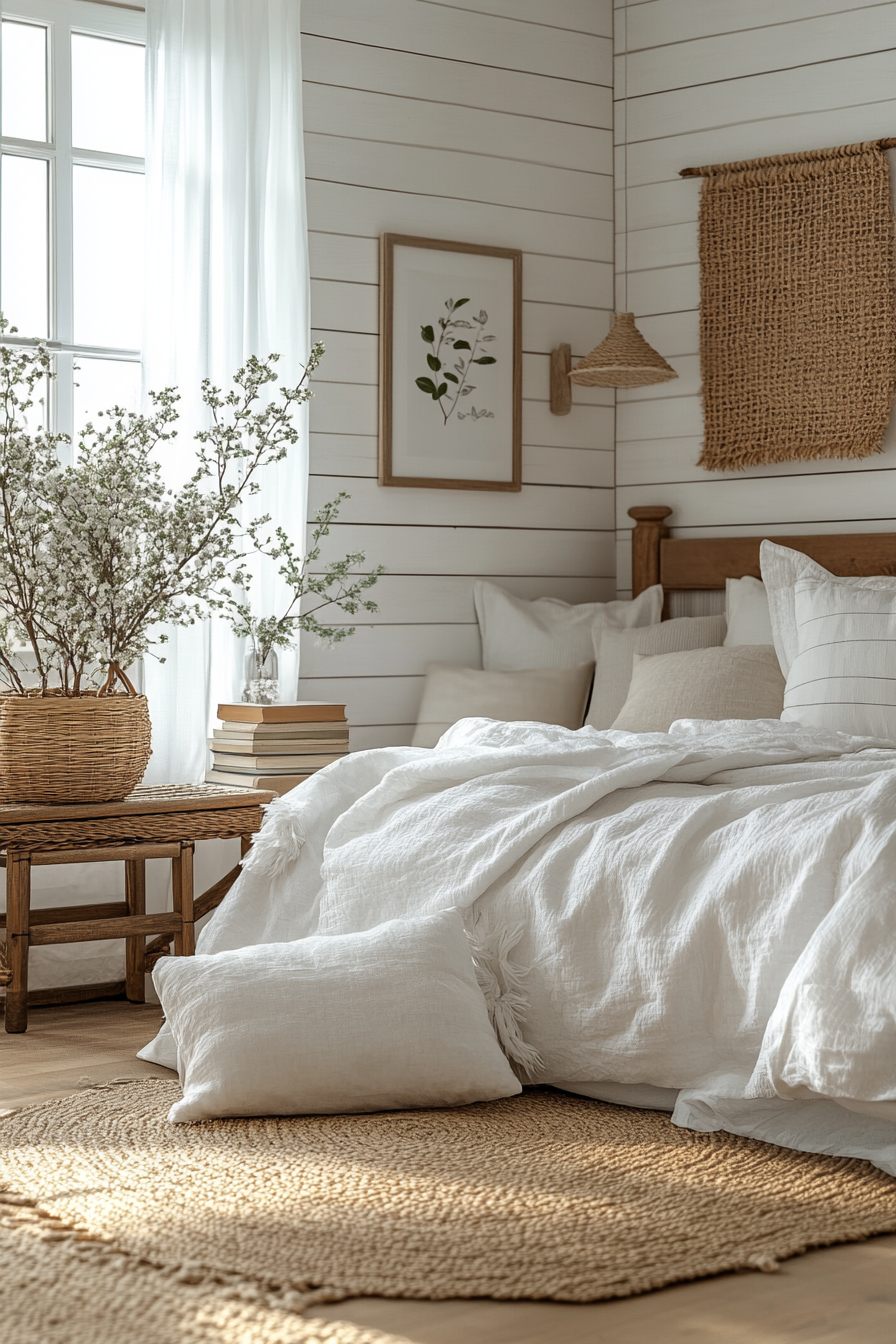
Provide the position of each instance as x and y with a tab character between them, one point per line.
450	364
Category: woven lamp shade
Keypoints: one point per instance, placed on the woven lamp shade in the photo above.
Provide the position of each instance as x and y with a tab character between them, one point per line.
623	359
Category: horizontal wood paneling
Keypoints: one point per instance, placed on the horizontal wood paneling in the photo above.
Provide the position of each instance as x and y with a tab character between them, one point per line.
853	119
338	207
480	550
488	123
748	51
347	64
541	506
354	455
442	31
712	81
364	115
418	599
582	284
580	16
460	176
656	23
395	650
810	88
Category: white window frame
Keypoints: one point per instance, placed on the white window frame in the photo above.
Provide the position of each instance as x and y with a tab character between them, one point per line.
61	18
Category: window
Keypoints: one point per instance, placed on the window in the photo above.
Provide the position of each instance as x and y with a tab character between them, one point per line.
71	197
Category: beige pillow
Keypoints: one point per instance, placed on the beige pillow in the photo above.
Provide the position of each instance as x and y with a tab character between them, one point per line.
615	649
543	695
743	682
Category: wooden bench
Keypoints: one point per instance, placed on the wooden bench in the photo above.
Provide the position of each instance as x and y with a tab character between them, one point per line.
154	822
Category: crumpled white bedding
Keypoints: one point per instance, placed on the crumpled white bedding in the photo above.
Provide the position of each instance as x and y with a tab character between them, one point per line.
711	910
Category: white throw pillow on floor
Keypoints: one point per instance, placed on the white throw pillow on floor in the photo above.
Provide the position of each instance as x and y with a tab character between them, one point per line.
388	1019
518	634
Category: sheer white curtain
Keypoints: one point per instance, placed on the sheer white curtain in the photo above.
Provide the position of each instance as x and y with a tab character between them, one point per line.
227	277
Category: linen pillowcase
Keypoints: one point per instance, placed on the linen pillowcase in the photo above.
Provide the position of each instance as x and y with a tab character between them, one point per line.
615	649
843	675
747	613
518	634
781	567
739	683
382	1020
542	695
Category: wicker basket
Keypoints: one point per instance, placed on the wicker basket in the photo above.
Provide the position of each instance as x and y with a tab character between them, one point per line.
57	749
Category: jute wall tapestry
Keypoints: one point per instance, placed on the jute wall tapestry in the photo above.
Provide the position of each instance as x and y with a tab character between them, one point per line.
797	306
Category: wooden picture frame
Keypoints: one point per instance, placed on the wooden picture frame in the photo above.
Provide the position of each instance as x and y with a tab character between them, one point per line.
432	432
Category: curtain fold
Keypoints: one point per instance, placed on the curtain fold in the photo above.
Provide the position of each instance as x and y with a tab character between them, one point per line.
227	277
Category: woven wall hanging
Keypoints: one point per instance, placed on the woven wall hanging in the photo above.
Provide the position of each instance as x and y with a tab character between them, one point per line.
797	306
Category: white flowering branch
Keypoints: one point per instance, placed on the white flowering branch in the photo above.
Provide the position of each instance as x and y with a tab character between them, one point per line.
96	556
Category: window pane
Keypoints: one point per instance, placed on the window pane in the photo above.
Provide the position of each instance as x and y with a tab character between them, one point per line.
24	81
23	244
101	384
107	95
108	257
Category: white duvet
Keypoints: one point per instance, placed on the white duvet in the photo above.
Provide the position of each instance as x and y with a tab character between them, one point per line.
710	910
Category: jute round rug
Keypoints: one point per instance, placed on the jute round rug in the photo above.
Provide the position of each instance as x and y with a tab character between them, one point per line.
539	1196
55	1289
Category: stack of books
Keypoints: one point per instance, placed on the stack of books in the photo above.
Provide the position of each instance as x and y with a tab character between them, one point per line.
276	747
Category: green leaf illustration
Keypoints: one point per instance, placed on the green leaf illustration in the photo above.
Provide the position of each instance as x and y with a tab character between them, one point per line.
485	359
434	364
427	335
461	345
446	374
442	389
460	301
426	385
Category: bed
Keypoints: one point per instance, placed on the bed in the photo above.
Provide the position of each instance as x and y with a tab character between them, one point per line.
704	919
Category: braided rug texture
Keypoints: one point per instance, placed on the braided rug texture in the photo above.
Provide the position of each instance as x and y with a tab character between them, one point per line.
797	307
544	1195
56	1289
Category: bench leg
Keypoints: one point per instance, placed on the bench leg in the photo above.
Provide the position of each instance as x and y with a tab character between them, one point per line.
135	896
18	927
182	882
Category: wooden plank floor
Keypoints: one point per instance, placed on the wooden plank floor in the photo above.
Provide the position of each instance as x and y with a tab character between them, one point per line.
842	1295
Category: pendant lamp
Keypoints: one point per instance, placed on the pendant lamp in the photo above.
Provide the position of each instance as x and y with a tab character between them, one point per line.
623	358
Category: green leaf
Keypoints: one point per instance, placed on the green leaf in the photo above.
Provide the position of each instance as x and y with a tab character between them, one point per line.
461	345
434	364
485	359
460	301
426	385
427	334
443	388
446	374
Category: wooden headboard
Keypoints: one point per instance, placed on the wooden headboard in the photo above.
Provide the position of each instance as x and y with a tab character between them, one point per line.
706	562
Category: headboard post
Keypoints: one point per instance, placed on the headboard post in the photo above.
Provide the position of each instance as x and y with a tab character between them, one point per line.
650	528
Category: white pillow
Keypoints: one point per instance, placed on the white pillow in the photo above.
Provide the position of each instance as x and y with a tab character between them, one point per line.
542	695
741	683
383	1020
843	675
747	614
518	634
615	649
781	569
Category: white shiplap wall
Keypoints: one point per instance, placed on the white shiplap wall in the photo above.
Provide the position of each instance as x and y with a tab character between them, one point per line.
710	81
488	121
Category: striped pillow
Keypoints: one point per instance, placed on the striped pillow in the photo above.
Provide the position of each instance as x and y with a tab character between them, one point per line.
844	673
